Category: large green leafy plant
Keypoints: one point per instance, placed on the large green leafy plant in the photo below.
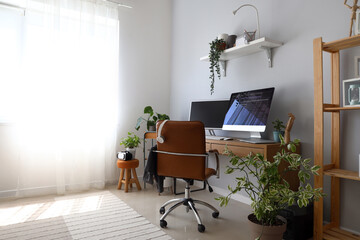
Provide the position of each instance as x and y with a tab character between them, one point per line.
270	192
216	48
151	119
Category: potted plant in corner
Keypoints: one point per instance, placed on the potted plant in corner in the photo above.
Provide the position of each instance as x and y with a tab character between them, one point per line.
278	129
216	48
268	190
151	119
131	142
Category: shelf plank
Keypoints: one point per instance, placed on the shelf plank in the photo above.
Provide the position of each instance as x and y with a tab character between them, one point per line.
337	233
335	109
341	173
341	44
243	50
150	135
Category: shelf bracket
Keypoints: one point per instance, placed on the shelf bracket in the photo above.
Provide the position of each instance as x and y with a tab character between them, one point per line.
268	54
222	68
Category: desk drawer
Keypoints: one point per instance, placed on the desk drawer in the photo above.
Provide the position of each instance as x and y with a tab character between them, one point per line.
237	150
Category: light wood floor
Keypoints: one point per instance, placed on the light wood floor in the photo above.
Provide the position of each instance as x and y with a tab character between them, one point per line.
231	224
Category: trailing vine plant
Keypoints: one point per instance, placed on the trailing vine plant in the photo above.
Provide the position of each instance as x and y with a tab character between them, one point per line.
216	48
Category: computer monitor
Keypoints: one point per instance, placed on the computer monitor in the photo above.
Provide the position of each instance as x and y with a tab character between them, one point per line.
211	113
249	111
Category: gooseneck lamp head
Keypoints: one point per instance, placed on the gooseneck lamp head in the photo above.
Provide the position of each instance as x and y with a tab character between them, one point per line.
257	15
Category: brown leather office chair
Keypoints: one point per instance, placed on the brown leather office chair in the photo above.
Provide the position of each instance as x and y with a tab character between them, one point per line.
181	153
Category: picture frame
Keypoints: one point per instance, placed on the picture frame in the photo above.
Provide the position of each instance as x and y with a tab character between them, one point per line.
357	66
351	92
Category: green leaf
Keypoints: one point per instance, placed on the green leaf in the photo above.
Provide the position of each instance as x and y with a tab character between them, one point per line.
299	203
291	201
139	121
149	110
307	160
293	147
229	170
314	169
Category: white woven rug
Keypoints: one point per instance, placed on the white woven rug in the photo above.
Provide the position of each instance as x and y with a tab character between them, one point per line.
94	216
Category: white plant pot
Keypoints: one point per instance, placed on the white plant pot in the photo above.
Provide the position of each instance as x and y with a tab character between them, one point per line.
132	151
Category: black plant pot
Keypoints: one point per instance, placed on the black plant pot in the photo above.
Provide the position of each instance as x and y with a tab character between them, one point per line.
299	222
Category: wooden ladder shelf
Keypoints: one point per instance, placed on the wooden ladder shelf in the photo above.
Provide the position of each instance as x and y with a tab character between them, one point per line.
332	230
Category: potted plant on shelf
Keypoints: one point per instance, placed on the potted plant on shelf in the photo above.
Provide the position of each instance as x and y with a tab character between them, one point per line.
268	190
278	129
216	48
151	119
131	142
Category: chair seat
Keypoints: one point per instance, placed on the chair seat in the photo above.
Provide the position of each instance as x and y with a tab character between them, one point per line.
209	172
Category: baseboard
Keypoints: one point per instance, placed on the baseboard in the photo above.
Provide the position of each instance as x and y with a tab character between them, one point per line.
53	190
225	192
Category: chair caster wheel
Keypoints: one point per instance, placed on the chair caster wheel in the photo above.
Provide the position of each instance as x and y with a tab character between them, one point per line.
163	223
162	210
201	228
215	214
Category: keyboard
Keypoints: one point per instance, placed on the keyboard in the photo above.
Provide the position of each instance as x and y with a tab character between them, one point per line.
255	140
219	138
215	137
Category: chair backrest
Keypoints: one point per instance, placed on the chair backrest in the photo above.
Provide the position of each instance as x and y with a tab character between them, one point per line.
182	137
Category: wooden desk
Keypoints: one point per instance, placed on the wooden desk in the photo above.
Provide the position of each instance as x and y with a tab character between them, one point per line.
242	149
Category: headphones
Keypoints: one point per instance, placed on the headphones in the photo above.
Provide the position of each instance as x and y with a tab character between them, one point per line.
160	138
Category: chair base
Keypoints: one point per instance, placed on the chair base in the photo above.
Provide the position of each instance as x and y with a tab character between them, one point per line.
190	205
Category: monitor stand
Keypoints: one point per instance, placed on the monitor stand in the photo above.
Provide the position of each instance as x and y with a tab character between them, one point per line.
255	135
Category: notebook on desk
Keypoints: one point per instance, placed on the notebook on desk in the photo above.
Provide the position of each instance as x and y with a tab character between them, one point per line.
247	140
255	140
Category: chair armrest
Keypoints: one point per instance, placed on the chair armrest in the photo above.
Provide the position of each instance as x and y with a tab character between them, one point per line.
216	153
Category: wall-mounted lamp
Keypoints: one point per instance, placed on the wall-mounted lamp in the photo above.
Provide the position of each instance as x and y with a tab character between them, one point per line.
257	15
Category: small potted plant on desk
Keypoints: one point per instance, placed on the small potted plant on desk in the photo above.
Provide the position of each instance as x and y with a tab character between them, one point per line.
131	142
270	192
278	129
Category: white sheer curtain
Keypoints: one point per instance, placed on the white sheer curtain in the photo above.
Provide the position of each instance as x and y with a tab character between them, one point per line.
59	73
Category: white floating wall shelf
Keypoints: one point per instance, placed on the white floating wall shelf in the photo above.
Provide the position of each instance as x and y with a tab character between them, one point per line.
258	45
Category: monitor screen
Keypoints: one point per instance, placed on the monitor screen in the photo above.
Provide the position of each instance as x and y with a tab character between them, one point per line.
249	111
211	113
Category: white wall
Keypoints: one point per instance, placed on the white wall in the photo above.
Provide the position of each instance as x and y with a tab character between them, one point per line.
145	47
296	23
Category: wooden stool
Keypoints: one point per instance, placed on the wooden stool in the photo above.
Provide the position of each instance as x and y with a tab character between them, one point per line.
128	167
